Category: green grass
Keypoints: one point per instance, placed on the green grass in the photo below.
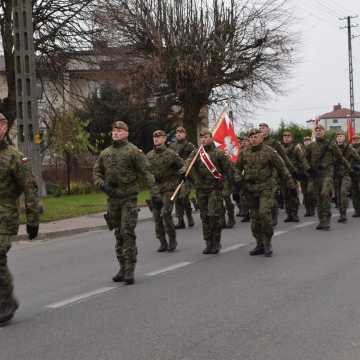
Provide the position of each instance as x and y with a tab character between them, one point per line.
69	206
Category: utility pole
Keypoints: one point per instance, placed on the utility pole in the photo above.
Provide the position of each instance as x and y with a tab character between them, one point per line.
28	135
349	26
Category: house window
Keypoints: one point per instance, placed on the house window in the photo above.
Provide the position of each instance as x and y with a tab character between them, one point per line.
335	121
335	128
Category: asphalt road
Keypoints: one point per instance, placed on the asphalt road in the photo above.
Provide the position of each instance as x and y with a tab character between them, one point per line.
302	304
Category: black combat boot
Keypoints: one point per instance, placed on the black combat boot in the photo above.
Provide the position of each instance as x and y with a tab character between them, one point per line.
180	224
246	218
257	250
119	277
324	227
7	310
356	214
172	244
190	220
129	277
216	246
288	218
231	223
208	248
294	217
163	245
268	251
342	218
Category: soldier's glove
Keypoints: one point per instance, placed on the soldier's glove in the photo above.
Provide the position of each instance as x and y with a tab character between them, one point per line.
182	174
107	188
156	202
236	197
32	231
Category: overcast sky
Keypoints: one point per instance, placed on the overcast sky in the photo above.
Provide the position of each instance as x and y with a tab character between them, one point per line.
321	80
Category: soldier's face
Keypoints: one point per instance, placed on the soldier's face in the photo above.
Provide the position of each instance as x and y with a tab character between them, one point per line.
206	140
356	141
307	142
256	139
244	144
159	140
319	133
3	129
287	139
119	134
264	129
340	139
180	135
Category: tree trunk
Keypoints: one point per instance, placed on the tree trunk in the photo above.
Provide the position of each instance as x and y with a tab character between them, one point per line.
68	171
192	120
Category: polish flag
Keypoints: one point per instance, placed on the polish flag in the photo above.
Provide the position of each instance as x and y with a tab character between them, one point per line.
350	130
225	138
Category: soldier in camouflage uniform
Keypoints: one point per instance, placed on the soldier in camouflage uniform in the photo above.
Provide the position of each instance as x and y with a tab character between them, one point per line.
321	156
118	172
15	179
296	155
255	170
307	187
279	188
165	165
182	202
355	180
342	179
209	190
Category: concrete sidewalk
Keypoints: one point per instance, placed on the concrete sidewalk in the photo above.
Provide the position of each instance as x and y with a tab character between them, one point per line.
75	225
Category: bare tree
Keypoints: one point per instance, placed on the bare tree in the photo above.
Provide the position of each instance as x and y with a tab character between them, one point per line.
60	27
205	50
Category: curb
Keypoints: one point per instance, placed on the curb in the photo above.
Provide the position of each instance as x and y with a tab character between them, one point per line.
70	232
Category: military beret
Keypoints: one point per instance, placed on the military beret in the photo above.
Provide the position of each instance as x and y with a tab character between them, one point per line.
307	138
205	131
243	137
3	118
287	132
340	132
319	126
180	129
254	132
120	125
357	137
263	124
158	133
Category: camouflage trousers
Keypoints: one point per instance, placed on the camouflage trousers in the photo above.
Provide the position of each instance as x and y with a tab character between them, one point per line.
342	185
124	215
164	223
210	204
323	187
309	198
182	202
355	193
6	280
243	205
292	202
261	205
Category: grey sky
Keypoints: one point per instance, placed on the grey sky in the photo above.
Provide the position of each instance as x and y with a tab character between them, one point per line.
321	79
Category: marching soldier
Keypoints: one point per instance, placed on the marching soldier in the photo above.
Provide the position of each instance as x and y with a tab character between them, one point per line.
321	156
182	202
296	156
342	179
307	187
255	169
15	179
355	180
210	170
117	172
165	165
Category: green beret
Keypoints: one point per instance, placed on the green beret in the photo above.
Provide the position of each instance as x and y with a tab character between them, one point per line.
120	125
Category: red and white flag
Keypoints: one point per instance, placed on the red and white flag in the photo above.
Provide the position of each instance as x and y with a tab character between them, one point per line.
350	130
225	138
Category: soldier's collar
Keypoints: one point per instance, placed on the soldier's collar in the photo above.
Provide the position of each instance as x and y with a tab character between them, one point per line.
161	147
209	146
119	143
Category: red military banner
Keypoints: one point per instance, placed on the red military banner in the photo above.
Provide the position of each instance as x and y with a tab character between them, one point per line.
350	130
225	138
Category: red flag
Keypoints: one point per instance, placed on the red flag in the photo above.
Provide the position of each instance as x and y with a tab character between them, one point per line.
225	137
350	130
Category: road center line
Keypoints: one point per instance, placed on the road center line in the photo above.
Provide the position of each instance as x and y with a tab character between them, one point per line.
277	233
232	248
169	268
80	297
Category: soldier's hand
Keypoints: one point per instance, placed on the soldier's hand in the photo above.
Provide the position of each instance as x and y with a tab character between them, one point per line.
236	197
32	231
157	203
106	188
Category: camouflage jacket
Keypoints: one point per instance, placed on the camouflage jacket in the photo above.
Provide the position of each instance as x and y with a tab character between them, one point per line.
296	155
182	148
351	155
281	151
256	166
326	166
165	165
124	167
16	179
203	179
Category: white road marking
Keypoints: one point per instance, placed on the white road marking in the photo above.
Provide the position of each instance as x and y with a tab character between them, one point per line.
277	233
169	268
232	248
80	297
307	223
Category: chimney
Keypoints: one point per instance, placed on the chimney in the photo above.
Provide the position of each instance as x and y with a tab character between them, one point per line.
337	107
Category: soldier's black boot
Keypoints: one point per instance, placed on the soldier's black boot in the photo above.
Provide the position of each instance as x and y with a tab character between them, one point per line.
180	224
119	276
288	218
208	248
257	250
7	310
216	246
323	226
246	218
295	217
231	222
190	220
342	218
356	214
172	244
163	245
268	251
129	277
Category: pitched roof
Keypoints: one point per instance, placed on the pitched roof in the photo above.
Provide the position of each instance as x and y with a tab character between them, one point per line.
339	113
